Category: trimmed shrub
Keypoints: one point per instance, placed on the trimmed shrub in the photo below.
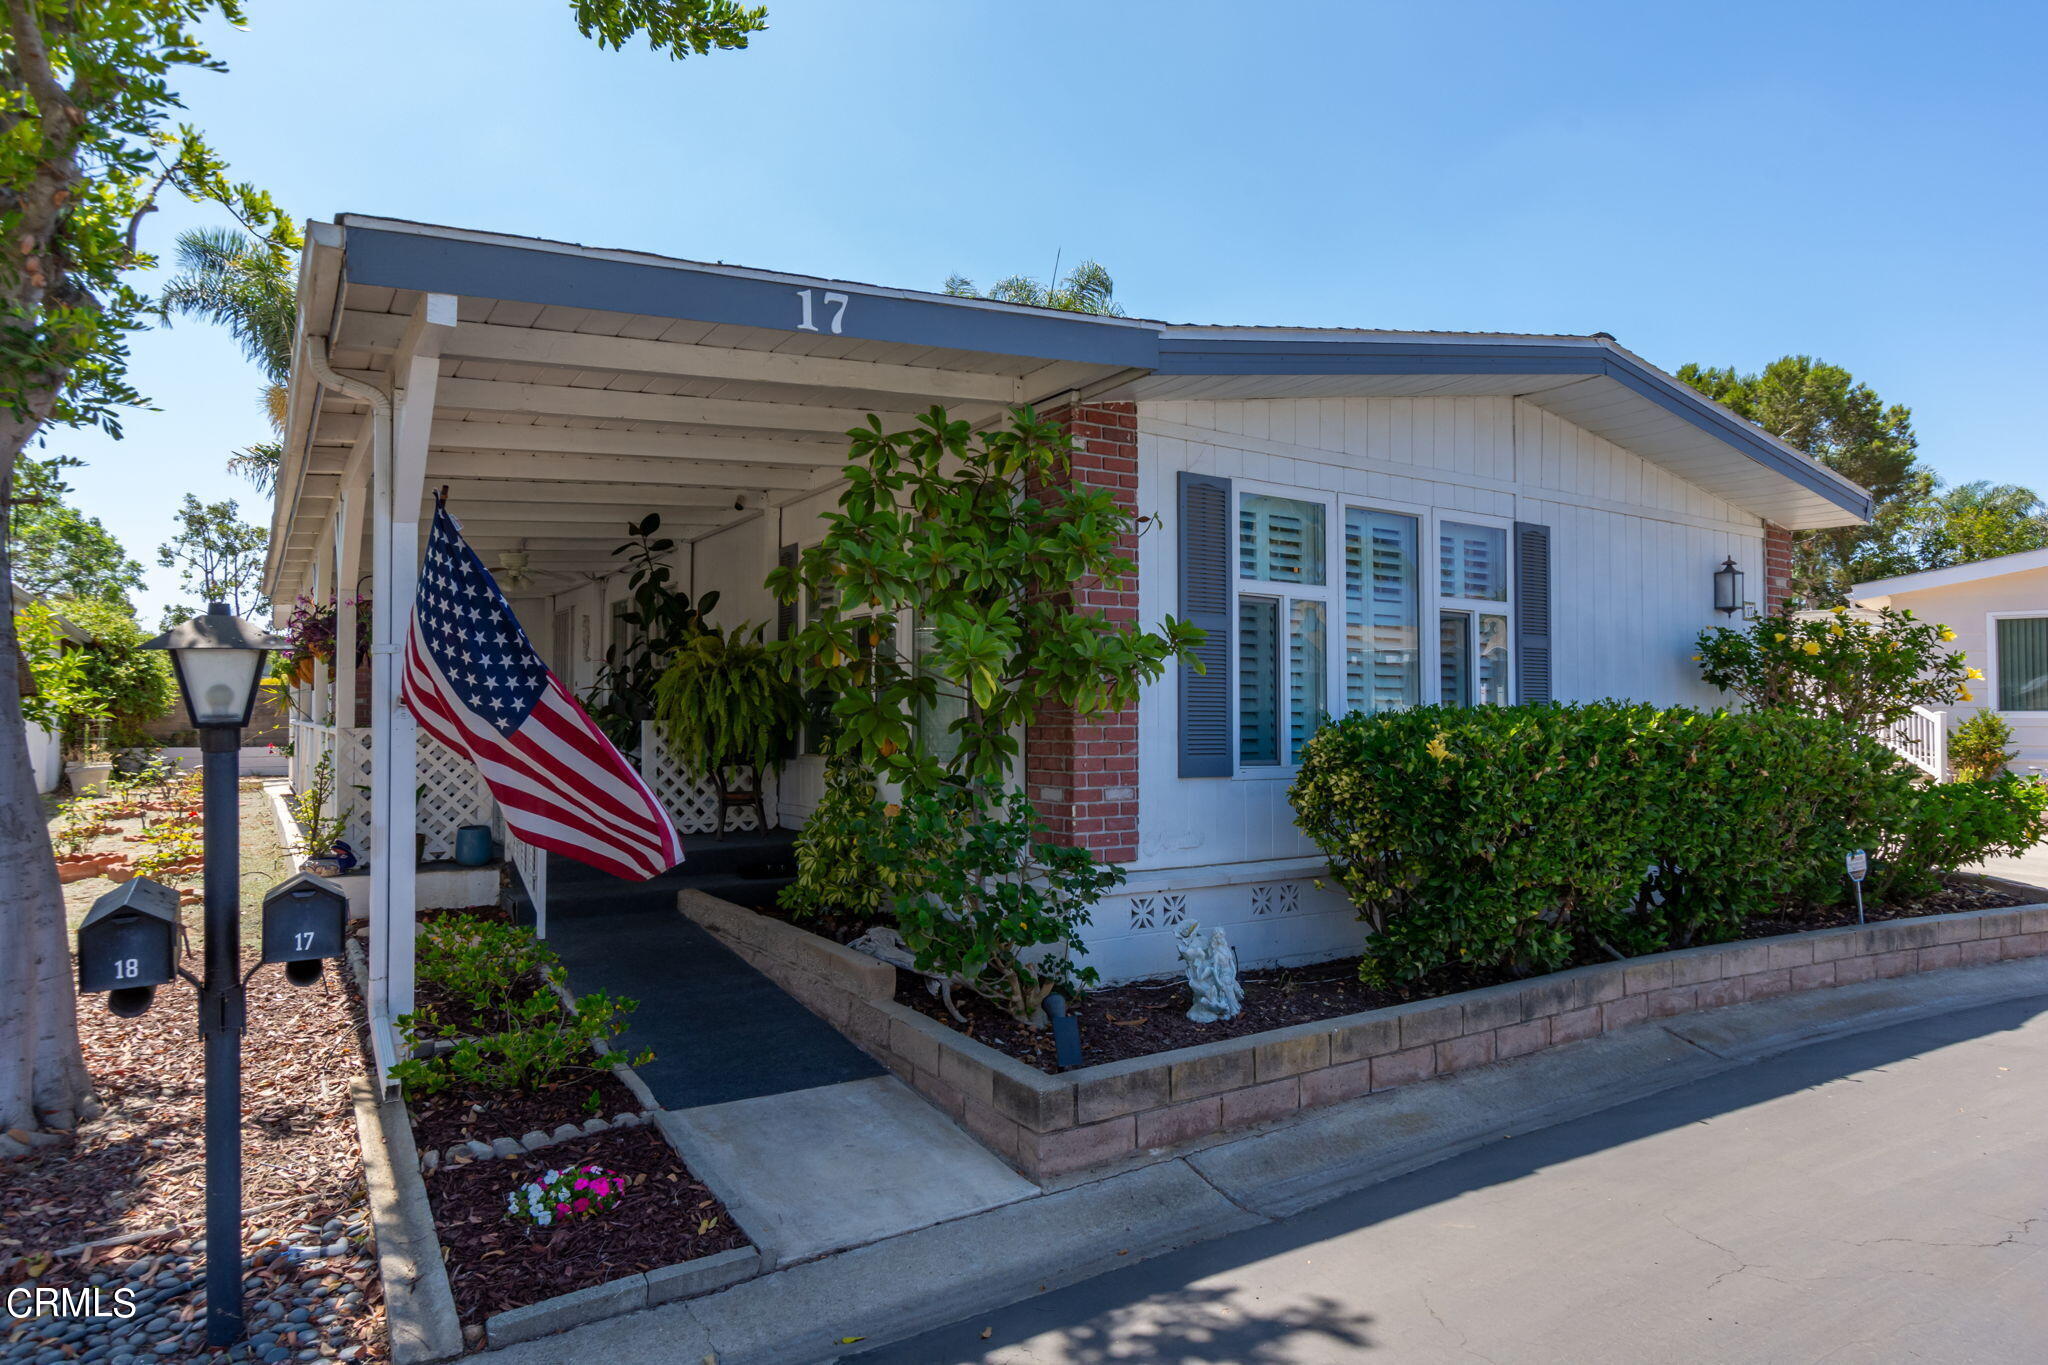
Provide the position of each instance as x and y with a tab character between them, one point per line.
1532	837
1980	747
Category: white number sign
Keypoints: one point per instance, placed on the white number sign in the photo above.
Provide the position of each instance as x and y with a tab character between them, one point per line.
127	968
302	940
836	302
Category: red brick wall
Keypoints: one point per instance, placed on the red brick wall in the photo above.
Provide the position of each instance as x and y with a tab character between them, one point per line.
1777	567
1082	772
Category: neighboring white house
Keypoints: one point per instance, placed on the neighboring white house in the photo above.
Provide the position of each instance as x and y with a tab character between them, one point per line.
1360	519
1998	609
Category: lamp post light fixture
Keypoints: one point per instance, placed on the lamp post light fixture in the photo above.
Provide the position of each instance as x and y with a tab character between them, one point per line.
1728	587
218	659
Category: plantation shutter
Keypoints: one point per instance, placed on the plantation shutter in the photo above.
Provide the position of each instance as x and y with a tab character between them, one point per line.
785	626
1532	612
1205	602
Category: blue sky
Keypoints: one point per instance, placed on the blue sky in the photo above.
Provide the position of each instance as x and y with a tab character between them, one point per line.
1726	184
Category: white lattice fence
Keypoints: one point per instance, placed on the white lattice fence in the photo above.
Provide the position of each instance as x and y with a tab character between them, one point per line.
451	792
691	801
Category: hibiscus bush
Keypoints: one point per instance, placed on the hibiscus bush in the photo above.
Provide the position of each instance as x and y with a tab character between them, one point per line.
1867	669
1537	837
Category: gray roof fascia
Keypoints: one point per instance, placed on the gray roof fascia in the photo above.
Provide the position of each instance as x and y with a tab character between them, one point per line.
1391	356
492	270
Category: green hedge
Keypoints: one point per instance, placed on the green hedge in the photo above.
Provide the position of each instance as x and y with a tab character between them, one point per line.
1537	836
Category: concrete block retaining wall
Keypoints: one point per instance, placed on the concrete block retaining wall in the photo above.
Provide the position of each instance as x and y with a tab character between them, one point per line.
1048	1126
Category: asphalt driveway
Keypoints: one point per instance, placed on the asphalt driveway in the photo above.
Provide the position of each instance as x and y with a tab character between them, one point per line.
1881	1197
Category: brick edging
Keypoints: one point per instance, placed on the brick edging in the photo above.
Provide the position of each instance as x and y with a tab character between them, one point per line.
1048	1126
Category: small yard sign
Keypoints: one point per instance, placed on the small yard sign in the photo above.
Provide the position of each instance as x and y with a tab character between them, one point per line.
1859	865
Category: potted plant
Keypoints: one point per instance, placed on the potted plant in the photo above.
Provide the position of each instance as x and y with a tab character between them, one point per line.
320	831
658	620
726	704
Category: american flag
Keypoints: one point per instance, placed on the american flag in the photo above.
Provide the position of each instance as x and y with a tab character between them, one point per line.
474	682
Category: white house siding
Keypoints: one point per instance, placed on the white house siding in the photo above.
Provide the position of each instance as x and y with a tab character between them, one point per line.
1969	609
1633	548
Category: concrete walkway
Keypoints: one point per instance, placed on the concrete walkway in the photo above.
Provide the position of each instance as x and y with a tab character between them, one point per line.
812	1145
1875	1198
965	1269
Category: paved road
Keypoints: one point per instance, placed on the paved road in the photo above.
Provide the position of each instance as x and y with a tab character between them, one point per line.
1882	1197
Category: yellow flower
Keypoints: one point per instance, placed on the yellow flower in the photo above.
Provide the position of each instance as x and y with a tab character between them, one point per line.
1947	634
1811	646
1779	637
1966	696
1840	611
1974	674
1695	658
1436	748
1835	631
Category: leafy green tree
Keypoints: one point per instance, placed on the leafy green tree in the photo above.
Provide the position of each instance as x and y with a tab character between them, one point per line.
1087	288
88	143
218	555
1940	526
58	551
1822	410
248	285
978	540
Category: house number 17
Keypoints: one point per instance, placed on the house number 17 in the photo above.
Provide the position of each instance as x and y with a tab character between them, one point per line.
836	302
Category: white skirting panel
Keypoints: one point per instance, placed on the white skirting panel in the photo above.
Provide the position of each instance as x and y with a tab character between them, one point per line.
1272	912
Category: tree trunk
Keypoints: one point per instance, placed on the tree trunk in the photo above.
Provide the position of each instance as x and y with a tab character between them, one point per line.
43	1082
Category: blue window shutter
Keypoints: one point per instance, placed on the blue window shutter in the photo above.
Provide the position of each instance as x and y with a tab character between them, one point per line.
1532	612
1205	591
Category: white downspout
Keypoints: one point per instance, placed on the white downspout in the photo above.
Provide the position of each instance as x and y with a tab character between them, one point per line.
387	775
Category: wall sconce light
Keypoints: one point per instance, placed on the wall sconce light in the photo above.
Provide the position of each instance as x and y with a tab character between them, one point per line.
1728	587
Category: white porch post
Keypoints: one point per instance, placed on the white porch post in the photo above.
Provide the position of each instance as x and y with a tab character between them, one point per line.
348	566
320	583
399	465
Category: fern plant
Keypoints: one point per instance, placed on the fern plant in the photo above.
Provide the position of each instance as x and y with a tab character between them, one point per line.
725	701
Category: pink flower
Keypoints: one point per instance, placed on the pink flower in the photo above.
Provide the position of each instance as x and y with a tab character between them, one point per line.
561	1208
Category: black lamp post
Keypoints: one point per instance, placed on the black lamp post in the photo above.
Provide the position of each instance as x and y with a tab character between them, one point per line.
218	658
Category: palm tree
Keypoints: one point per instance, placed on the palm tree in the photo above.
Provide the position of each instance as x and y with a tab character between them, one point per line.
247	286
1087	288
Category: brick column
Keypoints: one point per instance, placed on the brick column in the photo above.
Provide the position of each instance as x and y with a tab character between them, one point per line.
1777	567
1082	772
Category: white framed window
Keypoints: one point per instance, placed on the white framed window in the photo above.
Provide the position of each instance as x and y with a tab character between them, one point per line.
1345	606
2018	672
1475	615
1283	614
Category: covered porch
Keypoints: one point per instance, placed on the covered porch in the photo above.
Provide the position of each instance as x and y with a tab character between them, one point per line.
559	393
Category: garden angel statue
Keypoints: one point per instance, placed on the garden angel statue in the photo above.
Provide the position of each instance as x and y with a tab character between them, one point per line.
1212	975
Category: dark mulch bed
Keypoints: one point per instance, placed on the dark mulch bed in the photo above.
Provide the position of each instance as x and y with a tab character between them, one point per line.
459	1115
1139	1019
495	1264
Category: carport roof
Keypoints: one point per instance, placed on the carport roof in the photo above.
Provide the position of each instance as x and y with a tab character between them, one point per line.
599	379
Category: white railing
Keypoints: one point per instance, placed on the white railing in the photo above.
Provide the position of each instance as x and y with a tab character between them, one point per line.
532	865
1921	738
311	741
